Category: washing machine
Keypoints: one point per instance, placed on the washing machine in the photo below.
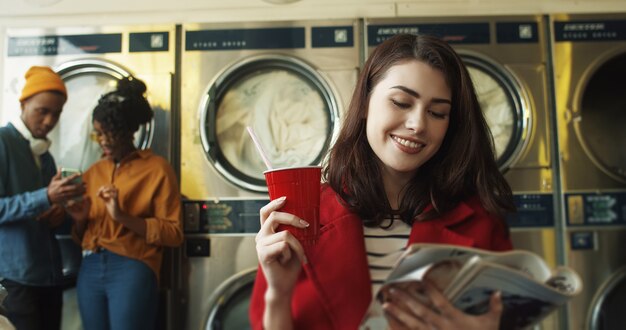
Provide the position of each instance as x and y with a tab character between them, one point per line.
290	81
91	60
507	59
221	261
589	55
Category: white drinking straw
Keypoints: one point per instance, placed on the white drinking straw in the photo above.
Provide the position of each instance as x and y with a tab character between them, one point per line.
259	148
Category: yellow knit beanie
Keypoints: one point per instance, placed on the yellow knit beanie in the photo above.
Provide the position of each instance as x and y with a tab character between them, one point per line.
42	79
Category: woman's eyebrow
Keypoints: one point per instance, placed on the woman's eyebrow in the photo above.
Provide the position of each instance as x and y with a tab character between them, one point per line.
417	95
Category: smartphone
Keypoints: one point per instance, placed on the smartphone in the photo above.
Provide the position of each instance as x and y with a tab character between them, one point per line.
65	172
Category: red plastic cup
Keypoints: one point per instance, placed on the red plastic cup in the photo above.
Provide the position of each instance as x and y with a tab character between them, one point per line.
301	186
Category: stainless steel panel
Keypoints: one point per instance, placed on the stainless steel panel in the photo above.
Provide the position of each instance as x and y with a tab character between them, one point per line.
575	63
542	242
589	56
230	255
595	267
202	70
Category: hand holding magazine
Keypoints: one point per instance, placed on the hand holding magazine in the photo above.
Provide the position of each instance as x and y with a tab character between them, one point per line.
468	276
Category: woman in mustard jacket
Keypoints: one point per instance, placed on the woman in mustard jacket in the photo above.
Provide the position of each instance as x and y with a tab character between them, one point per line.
130	213
413	163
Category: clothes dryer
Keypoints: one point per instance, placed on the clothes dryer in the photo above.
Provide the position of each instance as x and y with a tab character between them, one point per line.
220	261
507	59
289	80
589	57
91	60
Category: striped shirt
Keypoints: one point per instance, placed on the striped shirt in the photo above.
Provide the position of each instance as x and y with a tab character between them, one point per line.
384	247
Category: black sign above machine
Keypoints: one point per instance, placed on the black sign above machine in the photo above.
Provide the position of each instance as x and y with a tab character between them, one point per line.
517	32
65	45
148	42
600	30
454	33
460	33
332	36
268	38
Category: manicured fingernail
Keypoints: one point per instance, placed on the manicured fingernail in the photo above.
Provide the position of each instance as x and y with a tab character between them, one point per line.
304	223
280	199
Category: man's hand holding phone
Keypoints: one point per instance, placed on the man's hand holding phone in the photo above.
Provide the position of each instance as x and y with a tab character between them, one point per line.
66	186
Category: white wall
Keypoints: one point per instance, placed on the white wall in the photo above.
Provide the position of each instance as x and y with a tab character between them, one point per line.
41	13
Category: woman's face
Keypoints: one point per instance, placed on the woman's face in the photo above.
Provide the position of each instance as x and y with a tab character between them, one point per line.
113	146
408	116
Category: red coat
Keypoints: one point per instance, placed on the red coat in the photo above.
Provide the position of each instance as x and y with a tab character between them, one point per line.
334	290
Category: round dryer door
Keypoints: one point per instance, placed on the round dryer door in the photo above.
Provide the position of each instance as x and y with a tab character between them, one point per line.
229	304
599	119
504	105
607	307
290	106
86	80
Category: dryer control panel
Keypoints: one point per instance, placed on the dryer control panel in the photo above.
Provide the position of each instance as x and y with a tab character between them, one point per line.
234	216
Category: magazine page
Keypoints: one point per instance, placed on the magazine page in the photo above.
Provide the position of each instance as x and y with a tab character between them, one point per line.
525	261
468	277
420	255
526	302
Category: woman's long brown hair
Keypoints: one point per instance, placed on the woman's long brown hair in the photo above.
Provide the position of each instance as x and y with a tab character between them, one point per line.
464	166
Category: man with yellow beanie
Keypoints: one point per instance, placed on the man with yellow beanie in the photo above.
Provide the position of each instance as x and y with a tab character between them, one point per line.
32	193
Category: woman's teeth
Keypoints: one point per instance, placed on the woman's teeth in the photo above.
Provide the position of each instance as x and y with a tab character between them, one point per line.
407	143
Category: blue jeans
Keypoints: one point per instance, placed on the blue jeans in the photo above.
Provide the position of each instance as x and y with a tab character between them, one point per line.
116	292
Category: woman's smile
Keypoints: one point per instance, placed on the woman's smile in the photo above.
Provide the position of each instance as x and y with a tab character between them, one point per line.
407	145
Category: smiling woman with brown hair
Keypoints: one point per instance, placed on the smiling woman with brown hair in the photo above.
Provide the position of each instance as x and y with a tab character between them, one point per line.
413	163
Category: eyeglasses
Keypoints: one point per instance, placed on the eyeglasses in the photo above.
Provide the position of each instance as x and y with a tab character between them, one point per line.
95	136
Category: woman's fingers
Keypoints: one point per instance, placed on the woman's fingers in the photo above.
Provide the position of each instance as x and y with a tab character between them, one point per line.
495	304
279	246
107	192
405	310
411	312
271	219
400	316
271	207
440	303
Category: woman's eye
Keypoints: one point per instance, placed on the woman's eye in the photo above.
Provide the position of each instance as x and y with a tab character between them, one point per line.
438	115
400	104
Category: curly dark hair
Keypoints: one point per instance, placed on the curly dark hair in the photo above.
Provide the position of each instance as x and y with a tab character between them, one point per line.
122	111
464	165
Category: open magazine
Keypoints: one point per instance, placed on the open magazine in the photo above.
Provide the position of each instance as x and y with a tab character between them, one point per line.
467	276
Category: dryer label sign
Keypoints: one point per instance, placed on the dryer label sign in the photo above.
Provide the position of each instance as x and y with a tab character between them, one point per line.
62	45
590	30
454	33
236	39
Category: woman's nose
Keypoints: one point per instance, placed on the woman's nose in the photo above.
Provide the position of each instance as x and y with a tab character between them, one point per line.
416	120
